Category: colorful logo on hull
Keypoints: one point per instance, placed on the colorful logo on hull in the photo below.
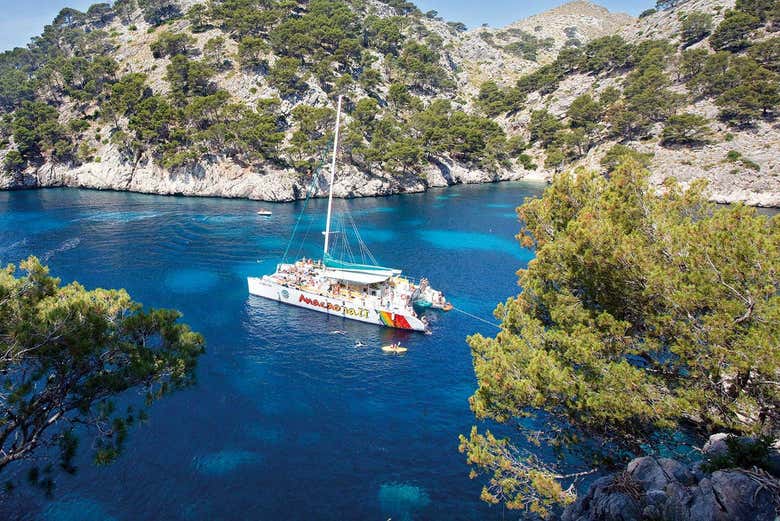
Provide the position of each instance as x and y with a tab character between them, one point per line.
350	312
392	320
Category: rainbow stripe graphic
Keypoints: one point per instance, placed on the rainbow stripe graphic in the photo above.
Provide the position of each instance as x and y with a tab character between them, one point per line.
391	320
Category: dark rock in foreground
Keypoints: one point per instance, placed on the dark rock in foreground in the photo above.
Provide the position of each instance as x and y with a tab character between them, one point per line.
665	489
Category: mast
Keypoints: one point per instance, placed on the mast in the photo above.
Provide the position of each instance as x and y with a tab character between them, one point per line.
332	175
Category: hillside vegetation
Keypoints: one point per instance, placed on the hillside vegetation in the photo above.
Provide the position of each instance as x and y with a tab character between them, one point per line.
236	97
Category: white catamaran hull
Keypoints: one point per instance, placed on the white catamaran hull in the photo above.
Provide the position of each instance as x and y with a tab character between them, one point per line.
351	309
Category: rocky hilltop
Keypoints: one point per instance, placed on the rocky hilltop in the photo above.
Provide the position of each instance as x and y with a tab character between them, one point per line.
236	98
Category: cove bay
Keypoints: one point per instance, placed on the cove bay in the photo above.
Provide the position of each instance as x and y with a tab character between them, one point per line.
288	419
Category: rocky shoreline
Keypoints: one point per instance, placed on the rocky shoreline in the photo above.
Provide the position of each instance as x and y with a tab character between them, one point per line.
227	179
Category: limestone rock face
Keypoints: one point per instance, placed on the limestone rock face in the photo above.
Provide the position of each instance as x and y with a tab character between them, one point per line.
228	179
470	57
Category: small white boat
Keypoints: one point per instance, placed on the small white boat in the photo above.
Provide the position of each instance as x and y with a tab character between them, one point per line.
264	212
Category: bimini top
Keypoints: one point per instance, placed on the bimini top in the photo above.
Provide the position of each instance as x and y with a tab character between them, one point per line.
330	262
356	277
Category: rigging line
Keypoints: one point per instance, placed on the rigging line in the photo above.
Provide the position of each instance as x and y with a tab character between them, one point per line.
309	192
298	221
305	236
347	249
364	249
475	317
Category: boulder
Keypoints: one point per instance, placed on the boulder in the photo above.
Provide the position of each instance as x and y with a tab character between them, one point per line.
666	489
716	445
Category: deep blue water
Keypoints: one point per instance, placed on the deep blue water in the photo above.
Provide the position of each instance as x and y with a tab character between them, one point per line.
288	420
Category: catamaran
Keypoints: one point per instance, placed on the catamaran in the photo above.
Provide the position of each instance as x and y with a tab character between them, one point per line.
357	291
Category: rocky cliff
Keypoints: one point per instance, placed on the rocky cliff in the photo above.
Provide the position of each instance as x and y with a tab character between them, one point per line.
394	149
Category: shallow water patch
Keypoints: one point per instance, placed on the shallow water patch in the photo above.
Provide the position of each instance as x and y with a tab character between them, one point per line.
454	240
120	217
400	501
225	461
377	235
191	280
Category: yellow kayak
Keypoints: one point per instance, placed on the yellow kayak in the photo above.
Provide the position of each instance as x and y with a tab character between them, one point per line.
394	348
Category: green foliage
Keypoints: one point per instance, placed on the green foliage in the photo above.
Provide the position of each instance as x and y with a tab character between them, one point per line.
666	4
214	53
328	30
404	154
598	56
743	453
637	309
402	7
312	131
527	46
152	120
619	154
419	66
733	33
13	162
686	129
171	44
157	12
283	75
745	90
767	53
694	27
15	78
188	78
370	79
606	53
125	96
757	97
493	100
526	162
545	80
38	134
251	50
734	156
383	34
647	98
584	112
692	63
647	12
761	9
68	353
398	97
124	9
555	158
198	18
543	127
245	17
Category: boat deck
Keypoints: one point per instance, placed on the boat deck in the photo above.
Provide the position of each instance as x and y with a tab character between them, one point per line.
395	294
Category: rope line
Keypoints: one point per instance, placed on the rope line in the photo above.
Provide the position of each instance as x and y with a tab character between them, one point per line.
475	317
309	192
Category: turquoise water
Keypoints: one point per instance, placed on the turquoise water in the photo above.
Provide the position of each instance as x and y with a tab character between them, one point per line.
289	420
